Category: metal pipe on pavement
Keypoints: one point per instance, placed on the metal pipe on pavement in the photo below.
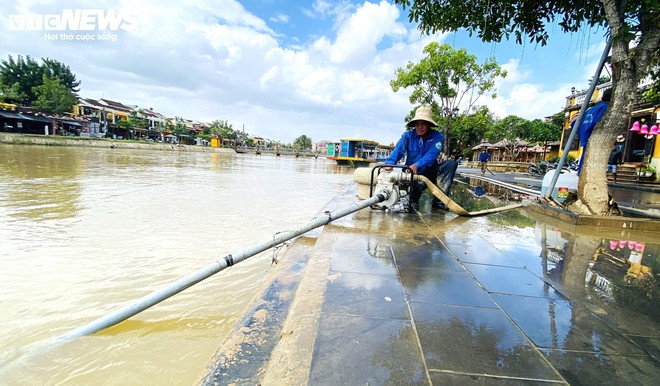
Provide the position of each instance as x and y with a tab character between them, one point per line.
578	122
177	286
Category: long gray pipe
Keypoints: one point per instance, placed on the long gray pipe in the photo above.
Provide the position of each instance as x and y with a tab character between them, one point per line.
578	122
173	288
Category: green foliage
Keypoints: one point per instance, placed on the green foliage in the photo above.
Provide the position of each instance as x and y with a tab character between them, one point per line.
134	120
124	124
29	74
556	158
601	80
303	143
55	69
11	93
179	126
444	77
511	131
494	20
652	93
468	130
54	97
558	120
510	128
179	130
25	72
541	131
222	129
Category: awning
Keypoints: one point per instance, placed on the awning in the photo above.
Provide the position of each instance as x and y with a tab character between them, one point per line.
9	114
34	118
648	111
71	123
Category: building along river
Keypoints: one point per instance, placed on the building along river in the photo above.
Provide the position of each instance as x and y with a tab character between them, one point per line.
85	231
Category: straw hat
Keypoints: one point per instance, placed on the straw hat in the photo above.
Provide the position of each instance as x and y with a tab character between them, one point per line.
422	114
620	138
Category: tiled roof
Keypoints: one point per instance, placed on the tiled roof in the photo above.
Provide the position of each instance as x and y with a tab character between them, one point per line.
115	105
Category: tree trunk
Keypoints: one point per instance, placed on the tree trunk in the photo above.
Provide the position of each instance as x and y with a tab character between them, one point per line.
628	66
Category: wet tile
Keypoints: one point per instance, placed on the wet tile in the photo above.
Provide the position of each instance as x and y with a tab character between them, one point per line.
580	368
466	230
362	255
476	340
506	280
450	379
649	344
438	286
483	253
510	236
632	315
353	350
365	294
428	253
559	324
374	245
529	256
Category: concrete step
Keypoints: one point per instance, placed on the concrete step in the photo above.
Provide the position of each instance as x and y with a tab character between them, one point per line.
245	352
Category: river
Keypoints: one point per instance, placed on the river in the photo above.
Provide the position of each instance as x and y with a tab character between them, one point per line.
84	231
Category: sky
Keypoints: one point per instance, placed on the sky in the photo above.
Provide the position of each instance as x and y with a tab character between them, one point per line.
278	69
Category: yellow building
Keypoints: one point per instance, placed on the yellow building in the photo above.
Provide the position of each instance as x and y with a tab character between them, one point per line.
639	147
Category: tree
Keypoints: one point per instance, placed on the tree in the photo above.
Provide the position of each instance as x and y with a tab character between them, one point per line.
54	97
303	143
557	119
652	92
55	69
446	79
543	132
23	71
511	130
11	93
632	29
135	120
28	74
467	130
223	129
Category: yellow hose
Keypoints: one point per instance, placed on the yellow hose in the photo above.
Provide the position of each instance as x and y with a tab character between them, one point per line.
454	207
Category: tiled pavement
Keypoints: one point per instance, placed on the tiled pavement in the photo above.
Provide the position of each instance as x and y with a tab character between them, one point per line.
413	299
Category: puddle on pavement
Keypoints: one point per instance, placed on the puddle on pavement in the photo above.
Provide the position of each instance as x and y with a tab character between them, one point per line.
615	271
474	195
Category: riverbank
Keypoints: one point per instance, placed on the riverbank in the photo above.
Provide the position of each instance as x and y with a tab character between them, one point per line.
49	140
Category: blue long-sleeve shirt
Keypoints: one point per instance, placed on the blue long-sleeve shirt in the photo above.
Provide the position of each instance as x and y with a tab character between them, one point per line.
421	152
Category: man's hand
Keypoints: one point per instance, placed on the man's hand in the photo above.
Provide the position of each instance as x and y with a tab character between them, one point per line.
413	168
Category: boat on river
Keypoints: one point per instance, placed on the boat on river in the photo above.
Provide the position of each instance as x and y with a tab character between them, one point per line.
357	152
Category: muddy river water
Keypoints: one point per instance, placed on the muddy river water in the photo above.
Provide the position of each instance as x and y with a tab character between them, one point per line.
86	231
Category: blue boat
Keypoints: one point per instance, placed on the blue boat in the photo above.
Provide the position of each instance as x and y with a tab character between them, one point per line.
357	152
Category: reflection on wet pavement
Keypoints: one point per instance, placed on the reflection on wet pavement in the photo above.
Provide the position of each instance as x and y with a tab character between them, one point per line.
503	299
476	341
375	351
512	298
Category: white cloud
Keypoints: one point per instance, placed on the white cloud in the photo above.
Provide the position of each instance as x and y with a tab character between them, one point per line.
280	18
208	60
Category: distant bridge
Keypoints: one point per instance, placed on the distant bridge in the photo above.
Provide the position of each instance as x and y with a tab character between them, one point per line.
276	152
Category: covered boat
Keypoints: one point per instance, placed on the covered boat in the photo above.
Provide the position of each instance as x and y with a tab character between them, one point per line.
357	152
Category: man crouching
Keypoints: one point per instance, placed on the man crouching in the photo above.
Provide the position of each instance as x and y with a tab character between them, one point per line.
421	147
